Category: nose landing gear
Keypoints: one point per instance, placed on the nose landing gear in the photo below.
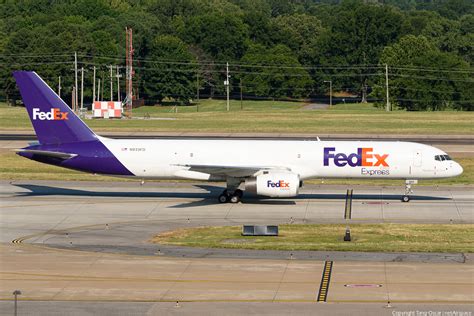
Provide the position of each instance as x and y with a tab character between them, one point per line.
408	190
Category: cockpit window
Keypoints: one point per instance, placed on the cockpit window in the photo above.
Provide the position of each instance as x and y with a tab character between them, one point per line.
442	157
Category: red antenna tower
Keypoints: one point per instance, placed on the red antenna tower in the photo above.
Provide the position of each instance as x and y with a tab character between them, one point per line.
129	69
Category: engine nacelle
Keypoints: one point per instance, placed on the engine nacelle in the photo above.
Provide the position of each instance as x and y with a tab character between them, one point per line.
274	184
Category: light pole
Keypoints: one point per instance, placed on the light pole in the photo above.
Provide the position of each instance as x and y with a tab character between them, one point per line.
387	107
227	83
16	293
330	91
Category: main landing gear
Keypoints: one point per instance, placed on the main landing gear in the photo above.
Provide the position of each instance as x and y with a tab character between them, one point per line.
408	190
232	194
233	197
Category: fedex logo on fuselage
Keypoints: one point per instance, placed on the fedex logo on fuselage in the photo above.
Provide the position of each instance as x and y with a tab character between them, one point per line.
54	115
363	158
280	184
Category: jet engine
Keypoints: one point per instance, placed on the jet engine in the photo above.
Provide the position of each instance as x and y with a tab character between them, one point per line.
274	184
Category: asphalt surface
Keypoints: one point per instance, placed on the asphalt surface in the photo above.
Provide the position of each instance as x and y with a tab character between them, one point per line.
131	214
426	139
49	308
83	248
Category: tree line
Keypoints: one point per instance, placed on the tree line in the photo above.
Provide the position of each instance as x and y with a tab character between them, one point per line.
275	48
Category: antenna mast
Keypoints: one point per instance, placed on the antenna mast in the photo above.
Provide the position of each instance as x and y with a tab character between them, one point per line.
129	69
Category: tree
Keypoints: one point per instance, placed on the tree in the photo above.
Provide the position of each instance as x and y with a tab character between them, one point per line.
278	73
168	74
424	78
223	36
355	39
256	14
294	30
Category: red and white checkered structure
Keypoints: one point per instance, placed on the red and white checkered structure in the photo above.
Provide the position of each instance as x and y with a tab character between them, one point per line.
107	109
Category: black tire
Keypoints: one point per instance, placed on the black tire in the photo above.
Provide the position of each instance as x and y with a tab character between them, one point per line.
223	198
234	199
405	198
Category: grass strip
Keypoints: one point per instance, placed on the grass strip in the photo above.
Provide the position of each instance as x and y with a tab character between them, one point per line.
324	237
271	117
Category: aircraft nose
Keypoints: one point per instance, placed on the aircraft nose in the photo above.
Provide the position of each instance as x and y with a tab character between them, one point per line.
457	169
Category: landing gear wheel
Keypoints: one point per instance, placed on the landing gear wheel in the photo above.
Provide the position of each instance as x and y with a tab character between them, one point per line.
405	198
223	198
234	198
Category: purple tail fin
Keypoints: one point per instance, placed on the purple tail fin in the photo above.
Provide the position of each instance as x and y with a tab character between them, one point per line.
52	119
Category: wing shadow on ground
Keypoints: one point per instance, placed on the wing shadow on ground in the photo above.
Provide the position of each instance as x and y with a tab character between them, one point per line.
209	195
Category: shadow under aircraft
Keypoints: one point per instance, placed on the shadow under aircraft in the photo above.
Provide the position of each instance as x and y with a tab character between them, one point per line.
207	195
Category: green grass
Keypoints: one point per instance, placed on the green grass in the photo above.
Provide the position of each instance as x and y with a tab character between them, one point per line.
271	117
14	167
365	237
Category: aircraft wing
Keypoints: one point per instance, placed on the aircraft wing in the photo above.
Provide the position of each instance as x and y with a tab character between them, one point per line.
231	171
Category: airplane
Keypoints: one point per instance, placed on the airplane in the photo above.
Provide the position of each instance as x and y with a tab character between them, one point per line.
271	168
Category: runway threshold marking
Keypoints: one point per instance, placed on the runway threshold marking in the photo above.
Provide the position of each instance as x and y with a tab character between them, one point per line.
326	278
348	210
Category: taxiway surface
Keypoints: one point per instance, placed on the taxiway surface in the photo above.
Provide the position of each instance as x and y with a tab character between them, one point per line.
111	223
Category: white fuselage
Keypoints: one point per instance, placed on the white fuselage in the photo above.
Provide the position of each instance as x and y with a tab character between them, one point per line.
169	158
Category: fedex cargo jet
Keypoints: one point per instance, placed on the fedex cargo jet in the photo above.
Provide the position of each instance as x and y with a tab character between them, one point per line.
270	168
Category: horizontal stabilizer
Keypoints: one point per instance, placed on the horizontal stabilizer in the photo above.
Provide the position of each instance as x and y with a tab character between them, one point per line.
47	153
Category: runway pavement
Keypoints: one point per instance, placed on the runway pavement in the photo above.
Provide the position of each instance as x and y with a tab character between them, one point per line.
88	242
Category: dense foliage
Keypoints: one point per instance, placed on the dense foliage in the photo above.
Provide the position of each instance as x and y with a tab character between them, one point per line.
275	48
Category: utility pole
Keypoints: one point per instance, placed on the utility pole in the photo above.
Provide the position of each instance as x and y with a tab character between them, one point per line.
197	86
59	87
118	75
75	72
98	90
197	91
330	92
241	99
82	89
102	87
111	85
73	99
93	87
386	88
227	84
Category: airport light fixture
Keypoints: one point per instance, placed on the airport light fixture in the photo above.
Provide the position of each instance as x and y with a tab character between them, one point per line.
16	293
330	91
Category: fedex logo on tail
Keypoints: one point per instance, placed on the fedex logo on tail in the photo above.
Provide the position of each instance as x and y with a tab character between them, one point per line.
54	115
362	158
